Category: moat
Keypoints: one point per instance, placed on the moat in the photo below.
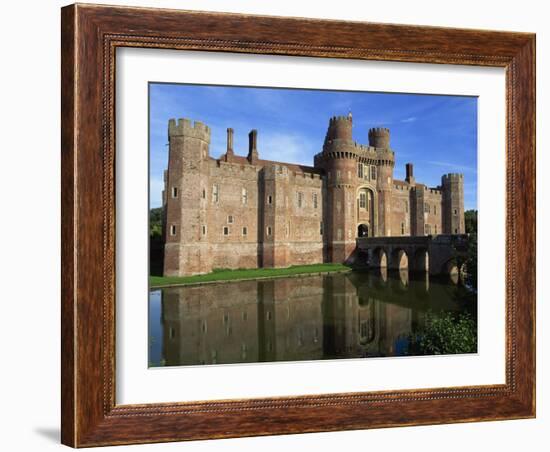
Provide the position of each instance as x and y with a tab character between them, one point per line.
332	316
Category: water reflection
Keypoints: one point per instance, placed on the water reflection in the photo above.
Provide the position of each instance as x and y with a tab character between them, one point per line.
352	315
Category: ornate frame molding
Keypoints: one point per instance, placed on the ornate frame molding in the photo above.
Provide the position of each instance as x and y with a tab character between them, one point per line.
90	37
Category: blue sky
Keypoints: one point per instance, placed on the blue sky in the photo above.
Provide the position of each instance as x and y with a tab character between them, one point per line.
438	134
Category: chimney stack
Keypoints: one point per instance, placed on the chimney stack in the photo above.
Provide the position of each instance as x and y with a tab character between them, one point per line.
410	175
230	140
229	152
252	146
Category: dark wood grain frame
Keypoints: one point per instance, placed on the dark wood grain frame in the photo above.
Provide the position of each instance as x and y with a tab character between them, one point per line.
90	35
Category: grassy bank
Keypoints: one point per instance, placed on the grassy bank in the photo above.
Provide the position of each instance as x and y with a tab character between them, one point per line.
229	275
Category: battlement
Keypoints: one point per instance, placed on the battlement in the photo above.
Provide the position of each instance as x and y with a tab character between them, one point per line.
452	176
187	127
336	119
379	137
432	190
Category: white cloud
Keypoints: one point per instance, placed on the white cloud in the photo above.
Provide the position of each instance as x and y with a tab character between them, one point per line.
286	148
409	119
453	166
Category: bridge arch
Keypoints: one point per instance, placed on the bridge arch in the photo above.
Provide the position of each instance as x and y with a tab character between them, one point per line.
450	268
399	259
379	258
421	260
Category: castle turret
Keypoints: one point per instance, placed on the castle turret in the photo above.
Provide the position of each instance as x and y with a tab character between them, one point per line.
379	138
340	165
453	203
186	208
340	128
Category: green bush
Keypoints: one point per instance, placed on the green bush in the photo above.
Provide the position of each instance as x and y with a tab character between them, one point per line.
446	333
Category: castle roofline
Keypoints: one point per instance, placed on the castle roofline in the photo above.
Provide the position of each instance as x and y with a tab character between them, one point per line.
240	159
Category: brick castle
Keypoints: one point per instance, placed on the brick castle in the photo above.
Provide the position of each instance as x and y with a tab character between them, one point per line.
245	212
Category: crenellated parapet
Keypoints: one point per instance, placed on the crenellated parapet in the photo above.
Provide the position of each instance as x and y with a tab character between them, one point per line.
379	137
188	128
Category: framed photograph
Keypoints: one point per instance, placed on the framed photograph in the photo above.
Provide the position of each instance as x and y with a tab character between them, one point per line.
281	225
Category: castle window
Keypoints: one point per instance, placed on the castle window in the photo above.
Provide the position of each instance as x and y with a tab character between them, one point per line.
362	200
268	230
338	175
245	230
456	212
174	192
339	236
428	229
426	207
402	228
321	228
173	229
315	200
215	193
360	170
245	196
435	210
270	199
456	231
203	193
225	230
373	172
230	219
300	198
406	206
435	227
203	229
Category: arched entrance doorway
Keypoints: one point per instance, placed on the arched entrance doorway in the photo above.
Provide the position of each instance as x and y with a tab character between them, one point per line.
363	230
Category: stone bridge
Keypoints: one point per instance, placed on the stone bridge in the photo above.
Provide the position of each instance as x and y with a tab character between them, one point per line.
439	254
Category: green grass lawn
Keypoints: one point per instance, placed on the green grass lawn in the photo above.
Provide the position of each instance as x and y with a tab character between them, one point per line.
228	275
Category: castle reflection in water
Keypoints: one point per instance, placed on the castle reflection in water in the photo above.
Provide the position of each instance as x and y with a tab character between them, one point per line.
349	315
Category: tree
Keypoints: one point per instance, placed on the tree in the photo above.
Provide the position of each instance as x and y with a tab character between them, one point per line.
471	262
470	221
155	222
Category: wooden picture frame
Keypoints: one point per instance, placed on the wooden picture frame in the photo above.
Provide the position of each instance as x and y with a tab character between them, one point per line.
90	36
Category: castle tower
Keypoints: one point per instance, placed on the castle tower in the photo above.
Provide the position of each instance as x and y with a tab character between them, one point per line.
453	203
340	165
379	139
185	204
275	214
